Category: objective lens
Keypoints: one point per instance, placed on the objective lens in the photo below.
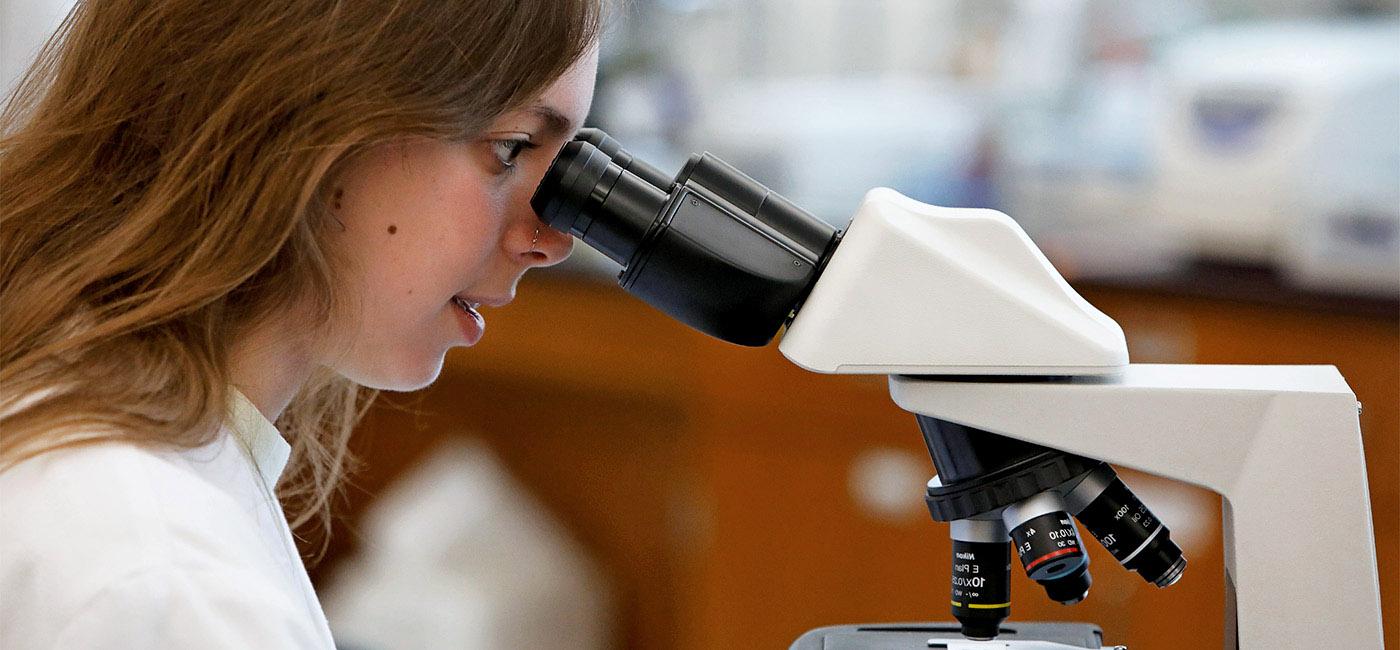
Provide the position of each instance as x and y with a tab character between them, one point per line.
981	581
1048	544
1070	588
1124	525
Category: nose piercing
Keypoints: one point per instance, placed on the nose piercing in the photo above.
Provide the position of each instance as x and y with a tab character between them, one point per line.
536	240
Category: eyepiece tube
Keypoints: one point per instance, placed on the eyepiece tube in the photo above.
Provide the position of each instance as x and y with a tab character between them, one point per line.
715	250
584	183
608	145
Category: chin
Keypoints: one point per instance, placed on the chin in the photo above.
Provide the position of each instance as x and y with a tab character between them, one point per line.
400	378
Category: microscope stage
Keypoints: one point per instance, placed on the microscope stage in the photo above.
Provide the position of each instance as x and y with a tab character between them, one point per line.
945	636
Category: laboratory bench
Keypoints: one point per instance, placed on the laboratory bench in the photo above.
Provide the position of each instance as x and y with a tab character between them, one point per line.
733	500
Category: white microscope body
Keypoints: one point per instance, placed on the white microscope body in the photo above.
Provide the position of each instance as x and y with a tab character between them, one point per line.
1023	393
971	322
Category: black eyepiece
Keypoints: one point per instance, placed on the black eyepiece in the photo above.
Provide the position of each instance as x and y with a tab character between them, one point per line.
583	185
572	176
606	144
714	249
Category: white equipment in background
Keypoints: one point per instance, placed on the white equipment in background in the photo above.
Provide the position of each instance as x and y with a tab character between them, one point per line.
457	555
1279	145
916	136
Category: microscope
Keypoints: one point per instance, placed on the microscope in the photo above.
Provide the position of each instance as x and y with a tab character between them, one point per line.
1023	393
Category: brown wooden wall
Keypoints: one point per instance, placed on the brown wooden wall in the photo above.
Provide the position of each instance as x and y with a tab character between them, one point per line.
712	483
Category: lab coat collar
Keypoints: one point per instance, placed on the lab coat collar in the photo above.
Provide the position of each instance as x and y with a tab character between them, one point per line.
262	439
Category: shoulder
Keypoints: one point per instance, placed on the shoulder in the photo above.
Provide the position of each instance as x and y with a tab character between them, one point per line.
166	606
169	606
76	523
140	502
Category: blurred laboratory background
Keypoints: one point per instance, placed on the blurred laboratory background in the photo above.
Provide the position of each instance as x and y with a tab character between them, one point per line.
1222	178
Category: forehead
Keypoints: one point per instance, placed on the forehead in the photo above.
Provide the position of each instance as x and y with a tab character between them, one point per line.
572	92
564	104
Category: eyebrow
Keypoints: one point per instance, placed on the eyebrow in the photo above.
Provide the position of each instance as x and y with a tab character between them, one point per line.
555	122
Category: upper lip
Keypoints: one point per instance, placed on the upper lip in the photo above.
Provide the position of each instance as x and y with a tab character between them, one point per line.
477	301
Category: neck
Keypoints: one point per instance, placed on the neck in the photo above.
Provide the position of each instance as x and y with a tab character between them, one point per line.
269	368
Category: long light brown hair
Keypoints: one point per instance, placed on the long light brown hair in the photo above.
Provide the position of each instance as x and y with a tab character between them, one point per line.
162	172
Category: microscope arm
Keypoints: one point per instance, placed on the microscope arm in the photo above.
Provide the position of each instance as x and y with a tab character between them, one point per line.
1281	444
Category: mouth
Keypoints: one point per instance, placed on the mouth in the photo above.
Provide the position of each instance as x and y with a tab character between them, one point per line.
474	303
466	305
471	322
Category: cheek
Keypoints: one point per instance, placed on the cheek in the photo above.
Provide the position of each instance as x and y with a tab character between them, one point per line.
428	258
433	222
419	229
464	229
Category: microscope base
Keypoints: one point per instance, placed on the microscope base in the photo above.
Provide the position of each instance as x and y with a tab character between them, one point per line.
908	636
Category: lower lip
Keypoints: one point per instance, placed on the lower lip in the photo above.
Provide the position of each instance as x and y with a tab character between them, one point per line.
472	324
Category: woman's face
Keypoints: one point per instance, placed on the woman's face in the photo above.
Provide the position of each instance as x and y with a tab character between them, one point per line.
427	222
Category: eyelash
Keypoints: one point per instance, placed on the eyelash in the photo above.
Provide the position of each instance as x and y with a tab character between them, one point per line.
512	149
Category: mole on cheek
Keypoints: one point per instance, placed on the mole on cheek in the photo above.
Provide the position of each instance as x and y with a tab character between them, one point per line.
393	229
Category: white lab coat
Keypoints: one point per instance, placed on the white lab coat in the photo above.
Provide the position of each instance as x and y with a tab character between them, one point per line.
115	545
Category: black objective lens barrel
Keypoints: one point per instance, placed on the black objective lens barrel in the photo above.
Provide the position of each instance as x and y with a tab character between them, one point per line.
981	582
1124	525
714	249
1048	544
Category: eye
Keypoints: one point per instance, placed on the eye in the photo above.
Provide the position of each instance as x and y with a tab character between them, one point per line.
508	150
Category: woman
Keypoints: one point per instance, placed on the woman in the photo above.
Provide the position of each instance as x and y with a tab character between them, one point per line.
218	216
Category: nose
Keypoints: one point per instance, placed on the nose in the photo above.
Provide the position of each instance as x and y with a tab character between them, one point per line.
545	246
